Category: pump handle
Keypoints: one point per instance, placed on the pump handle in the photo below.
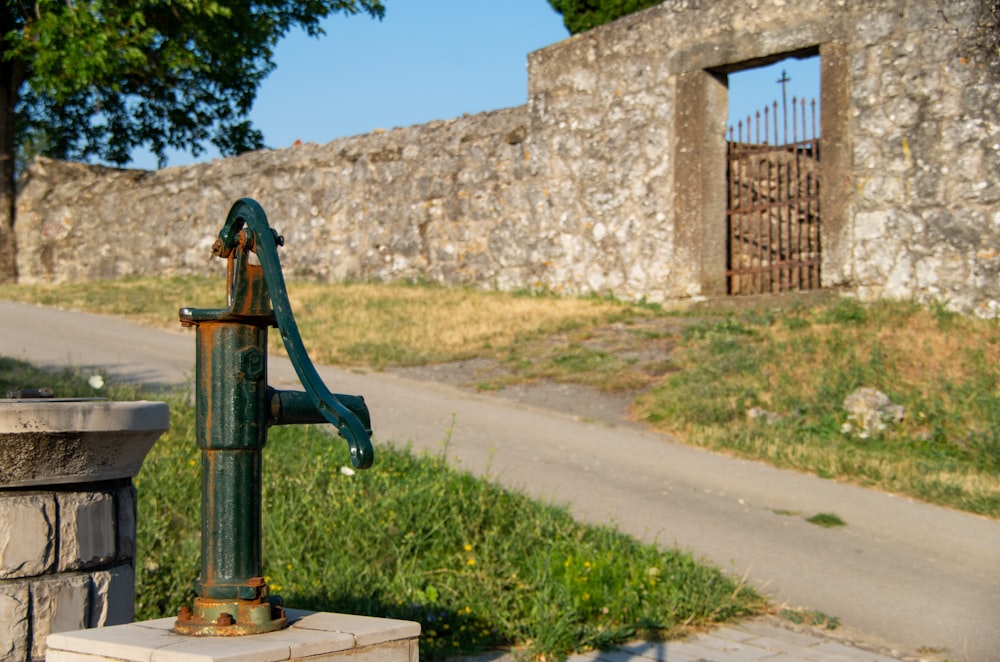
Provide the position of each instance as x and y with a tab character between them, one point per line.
247	212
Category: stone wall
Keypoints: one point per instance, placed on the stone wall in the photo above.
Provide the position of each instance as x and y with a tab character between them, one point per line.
612	178
68	515
925	158
629	123
447	201
66	563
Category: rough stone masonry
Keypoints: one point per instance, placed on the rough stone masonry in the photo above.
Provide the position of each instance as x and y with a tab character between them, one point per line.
66	563
611	179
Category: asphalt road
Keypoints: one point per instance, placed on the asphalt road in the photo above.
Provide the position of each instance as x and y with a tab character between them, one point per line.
901	574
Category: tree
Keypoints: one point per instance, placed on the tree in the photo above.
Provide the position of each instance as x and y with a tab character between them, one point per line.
581	15
91	79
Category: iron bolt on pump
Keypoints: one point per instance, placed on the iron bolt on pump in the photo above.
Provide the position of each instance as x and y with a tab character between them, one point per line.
234	407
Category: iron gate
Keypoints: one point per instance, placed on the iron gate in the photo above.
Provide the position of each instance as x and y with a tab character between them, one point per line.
773	209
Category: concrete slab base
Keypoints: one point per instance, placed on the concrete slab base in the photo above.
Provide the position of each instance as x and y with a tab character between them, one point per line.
311	637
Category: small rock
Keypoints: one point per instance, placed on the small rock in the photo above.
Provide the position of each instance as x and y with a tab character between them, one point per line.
760	414
871	411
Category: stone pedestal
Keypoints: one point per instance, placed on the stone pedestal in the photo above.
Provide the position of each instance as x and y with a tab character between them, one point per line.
311	636
67	515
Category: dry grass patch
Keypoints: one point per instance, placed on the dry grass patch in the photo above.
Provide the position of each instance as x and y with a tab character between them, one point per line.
371	324
150	301
379	324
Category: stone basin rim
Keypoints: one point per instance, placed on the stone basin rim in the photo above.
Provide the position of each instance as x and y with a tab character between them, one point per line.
81	415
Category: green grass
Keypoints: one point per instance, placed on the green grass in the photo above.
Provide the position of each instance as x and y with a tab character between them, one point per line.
480	567
801	363
695	373
18	375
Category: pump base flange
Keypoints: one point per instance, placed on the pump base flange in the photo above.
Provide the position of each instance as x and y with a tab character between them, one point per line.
235	617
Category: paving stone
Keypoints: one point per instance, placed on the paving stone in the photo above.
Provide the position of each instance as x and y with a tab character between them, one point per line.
63	656
657	652
781	645
799	650
593	656
836	648
733	650
661	651
305	643
136	641
767	630
367	630
733	634
26	535
322	638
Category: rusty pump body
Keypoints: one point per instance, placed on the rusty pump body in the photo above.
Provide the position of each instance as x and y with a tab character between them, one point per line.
234	408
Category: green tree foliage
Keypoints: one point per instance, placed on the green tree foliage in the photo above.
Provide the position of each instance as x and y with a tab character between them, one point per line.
105	76
581	15
96	79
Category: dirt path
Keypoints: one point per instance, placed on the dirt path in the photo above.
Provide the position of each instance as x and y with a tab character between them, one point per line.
584	402
637	353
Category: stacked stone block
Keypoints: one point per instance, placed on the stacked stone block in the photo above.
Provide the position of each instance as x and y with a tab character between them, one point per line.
66	563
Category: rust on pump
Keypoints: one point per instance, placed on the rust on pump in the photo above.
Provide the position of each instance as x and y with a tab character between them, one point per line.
234	407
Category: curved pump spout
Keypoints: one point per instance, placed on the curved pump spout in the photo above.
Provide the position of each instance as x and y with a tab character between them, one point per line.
234	407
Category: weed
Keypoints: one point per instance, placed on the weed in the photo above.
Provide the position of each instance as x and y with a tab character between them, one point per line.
945	318
845	311
795	323
810	617
760	317
726	328
826	520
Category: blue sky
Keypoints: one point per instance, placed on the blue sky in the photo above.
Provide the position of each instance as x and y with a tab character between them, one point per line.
424	61
752	89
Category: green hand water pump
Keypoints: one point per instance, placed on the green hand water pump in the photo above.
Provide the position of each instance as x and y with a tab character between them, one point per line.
234	408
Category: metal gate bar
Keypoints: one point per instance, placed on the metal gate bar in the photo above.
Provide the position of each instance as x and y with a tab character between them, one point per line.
773	206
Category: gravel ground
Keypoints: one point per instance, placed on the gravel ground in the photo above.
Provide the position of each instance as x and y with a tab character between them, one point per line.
584	402
644	347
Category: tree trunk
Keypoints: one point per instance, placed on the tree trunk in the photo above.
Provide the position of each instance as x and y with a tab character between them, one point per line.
11	77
